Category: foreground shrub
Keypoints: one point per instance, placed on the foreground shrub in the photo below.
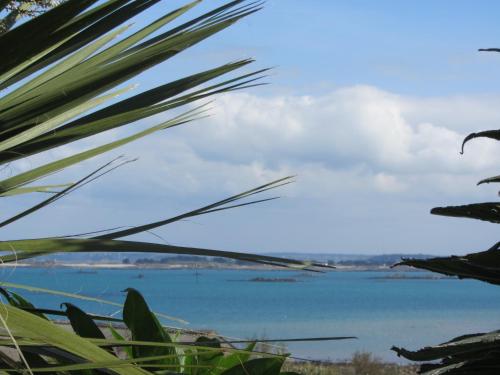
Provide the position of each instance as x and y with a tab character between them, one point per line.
361	363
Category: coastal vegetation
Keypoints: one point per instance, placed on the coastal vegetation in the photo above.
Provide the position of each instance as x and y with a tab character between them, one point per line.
361	363
60	75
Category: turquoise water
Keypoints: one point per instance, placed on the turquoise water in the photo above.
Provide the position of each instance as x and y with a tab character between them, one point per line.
382	313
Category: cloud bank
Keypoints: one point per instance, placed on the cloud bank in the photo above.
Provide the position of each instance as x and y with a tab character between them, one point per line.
367	162
353	139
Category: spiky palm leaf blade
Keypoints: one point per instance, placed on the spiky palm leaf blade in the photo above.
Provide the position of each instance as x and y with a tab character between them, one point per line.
472	354
76	70
61	74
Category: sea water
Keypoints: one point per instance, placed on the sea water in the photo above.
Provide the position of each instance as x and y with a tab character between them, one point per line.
381	311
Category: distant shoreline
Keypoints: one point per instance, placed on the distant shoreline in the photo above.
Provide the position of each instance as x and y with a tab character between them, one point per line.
198	266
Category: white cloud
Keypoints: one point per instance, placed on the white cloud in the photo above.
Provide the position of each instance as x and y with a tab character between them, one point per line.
356	138
388	183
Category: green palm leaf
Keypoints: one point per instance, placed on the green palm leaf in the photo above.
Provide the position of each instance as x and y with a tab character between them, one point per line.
61	74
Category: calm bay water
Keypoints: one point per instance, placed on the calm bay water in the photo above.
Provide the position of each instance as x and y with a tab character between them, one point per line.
381	312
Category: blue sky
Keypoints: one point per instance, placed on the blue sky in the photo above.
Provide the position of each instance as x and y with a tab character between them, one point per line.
419	48
368	103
